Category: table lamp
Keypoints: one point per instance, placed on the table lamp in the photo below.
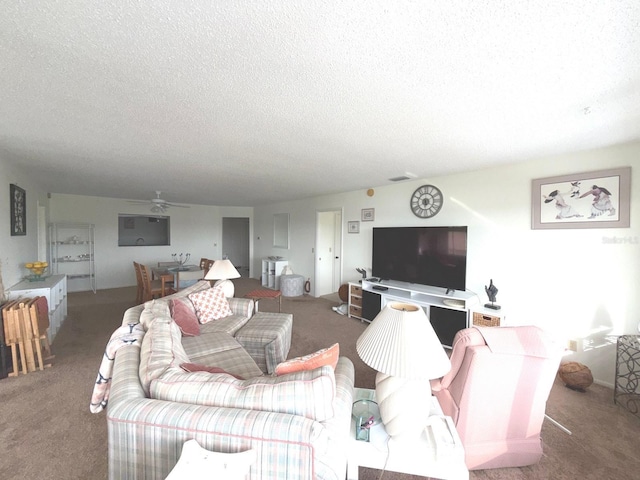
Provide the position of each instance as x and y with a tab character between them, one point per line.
222	271
402	346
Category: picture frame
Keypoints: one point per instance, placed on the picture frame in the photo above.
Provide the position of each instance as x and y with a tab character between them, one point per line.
368	214
18	203
353	226
598	199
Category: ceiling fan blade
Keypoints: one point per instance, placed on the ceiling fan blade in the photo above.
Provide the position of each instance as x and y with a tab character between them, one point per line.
176	205
139	202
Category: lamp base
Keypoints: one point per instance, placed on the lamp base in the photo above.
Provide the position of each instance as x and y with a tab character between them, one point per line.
227	286
403	404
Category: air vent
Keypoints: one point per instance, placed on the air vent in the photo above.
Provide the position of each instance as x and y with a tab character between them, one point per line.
406	176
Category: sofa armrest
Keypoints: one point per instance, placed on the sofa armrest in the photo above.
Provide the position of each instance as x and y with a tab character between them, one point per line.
241	306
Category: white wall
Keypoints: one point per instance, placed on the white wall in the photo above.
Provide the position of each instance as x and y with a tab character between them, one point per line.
571	282
196	230
18	250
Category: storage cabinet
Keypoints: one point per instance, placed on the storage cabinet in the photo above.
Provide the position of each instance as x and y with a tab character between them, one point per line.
54	288
72	254
271	272
447	312
355	300
485	319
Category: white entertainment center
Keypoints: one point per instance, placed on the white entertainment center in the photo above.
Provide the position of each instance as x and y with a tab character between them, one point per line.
366	299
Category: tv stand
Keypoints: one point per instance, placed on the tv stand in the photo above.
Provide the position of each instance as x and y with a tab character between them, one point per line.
450	303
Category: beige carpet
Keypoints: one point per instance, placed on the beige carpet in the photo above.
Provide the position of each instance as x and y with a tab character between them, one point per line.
47	432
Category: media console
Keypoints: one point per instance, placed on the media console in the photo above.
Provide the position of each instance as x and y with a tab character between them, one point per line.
448	312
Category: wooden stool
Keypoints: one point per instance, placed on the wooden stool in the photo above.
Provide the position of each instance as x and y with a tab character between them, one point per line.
258	294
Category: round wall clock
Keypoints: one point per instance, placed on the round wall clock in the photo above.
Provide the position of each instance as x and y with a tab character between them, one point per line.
426	201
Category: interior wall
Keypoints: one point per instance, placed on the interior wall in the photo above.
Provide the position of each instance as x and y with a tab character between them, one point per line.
196	230
576	283
18	250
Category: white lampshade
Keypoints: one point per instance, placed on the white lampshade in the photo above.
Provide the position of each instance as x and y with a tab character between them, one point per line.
401	342
402	346
223	270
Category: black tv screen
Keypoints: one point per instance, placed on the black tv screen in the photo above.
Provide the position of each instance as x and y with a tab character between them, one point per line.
434	256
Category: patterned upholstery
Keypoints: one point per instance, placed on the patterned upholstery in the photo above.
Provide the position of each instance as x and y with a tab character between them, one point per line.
309	393
146	435
267	338
270	414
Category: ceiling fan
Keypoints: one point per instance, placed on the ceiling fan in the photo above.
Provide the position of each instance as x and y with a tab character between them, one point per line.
158	205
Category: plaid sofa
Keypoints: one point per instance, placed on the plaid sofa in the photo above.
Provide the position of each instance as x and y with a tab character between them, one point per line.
298	423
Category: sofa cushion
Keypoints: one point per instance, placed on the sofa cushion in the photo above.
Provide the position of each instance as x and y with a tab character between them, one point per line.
196	367
161	348
326	356
219	349
159	307
210	304
184	314
308	393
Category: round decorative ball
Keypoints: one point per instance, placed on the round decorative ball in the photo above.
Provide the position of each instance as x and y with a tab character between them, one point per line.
575	375
343	292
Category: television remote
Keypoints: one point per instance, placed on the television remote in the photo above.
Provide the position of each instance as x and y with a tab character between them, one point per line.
380	287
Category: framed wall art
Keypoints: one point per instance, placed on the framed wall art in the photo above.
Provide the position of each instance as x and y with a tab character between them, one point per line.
353	226
18	202
368	214
597	199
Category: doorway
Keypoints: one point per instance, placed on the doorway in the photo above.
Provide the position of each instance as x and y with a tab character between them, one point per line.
328	252
235	243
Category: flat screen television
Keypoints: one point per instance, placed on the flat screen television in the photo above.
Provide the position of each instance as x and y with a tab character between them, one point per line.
434	256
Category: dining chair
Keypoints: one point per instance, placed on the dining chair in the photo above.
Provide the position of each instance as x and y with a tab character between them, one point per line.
152	288
140	291
168	281
203	263
187	278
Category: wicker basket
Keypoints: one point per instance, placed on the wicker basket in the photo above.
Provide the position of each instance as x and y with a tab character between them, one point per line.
482	320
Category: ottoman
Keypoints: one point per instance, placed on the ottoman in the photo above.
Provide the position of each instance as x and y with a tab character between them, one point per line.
267	338
292	285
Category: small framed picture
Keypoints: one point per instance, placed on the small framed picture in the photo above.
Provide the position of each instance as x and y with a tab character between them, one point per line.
18	202
368	214
353	226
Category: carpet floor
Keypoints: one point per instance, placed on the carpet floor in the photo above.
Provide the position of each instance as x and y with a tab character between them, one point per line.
47	431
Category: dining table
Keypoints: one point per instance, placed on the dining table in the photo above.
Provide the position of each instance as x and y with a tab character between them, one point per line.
172	274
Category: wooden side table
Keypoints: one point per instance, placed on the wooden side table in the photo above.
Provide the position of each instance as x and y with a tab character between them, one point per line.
438	452
259	294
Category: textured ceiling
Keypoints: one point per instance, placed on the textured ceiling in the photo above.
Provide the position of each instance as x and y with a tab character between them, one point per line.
250	102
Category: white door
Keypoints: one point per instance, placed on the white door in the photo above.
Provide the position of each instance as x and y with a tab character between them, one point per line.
328	252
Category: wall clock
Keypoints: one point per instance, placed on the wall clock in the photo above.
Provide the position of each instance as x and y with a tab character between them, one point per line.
426	201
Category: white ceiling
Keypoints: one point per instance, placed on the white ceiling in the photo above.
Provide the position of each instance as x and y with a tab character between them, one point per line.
251	102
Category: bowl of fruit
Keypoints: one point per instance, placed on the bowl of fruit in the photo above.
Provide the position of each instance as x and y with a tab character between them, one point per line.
37	270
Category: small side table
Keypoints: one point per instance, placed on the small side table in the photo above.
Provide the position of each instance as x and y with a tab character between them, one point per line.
431	455
260	293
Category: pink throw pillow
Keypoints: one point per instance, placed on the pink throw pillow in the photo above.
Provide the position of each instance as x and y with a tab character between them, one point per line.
184	315
196	367
326	356
210	304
